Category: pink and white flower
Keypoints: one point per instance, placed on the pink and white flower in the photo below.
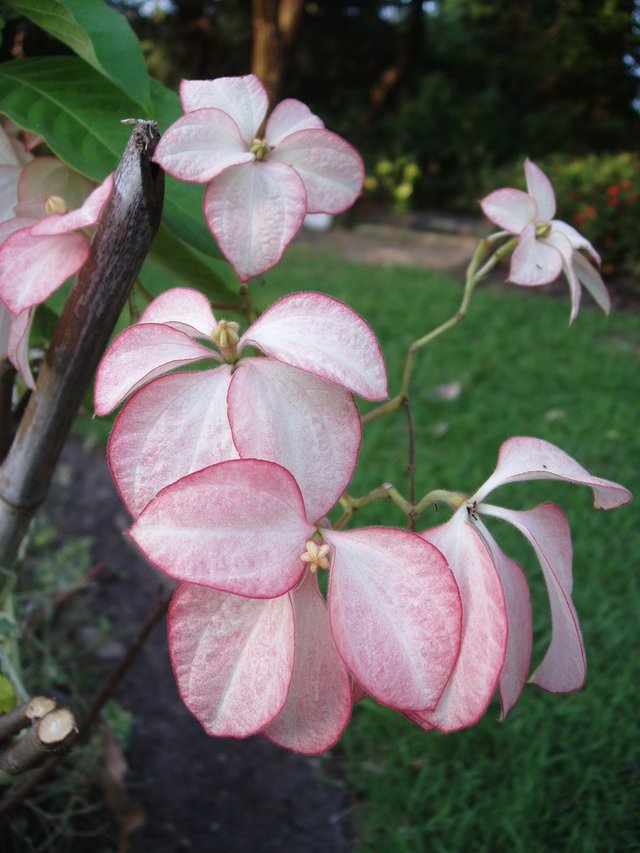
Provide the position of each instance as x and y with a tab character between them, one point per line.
546	246
14	330
260	182
294	407
497	629
48	243
240	527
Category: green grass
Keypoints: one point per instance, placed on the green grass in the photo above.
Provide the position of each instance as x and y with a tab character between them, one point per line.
563	772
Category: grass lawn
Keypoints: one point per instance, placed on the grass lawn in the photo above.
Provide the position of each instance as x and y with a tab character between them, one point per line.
563	772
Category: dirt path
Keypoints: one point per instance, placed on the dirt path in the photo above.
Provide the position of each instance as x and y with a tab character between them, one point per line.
392	245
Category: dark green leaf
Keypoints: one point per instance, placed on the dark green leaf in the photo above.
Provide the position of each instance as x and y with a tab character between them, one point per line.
99	35
75	109
191	268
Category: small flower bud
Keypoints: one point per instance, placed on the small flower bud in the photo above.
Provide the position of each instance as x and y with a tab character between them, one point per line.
317	556
260	148
55	204
226	336
543	229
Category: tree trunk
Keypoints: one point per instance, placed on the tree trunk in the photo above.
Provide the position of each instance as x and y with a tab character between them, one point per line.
275	27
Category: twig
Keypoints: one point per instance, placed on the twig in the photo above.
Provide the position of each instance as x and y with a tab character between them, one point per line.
103	695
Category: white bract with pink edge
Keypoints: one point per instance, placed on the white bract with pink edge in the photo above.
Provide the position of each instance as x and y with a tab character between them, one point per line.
496	631
242	661
294	407
546	246
260	182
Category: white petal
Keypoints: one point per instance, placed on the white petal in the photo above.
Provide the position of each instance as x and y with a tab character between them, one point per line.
232	658
138	355
395	614
238	526
534	262
287	118
308	425
322	335
539	187
331	169
510	209
242	98
201	145
172	427
184	309
563	669
254	211
319	703
484	627
590	277
524	458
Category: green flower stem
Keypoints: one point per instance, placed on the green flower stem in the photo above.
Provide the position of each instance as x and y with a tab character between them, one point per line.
475	273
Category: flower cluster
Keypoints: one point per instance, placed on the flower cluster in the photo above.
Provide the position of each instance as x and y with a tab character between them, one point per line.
546	246
267	444
46	210
261	180
230	471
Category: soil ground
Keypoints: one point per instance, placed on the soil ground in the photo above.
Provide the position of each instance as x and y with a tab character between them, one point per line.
198	793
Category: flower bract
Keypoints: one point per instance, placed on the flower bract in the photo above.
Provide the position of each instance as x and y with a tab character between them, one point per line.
546	246
260	182
294	407
496	634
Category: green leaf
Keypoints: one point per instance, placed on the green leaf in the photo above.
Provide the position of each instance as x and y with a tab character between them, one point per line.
78	112
99	35
8	698
74	108
8	628
192	268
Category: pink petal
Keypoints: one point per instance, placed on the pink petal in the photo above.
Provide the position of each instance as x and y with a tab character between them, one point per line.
562	244
533	261
520	634
8	190
331	170
287	118
575	238
47	176
563	669
254	211
10	226
484	627
318	706
539	186
138	355
184	309
11	151
242	98
238	527
200	145
308	425
395	614
525	458
32	268
323	336
84	217
144	454
232	658
590	278
18	344
511	209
